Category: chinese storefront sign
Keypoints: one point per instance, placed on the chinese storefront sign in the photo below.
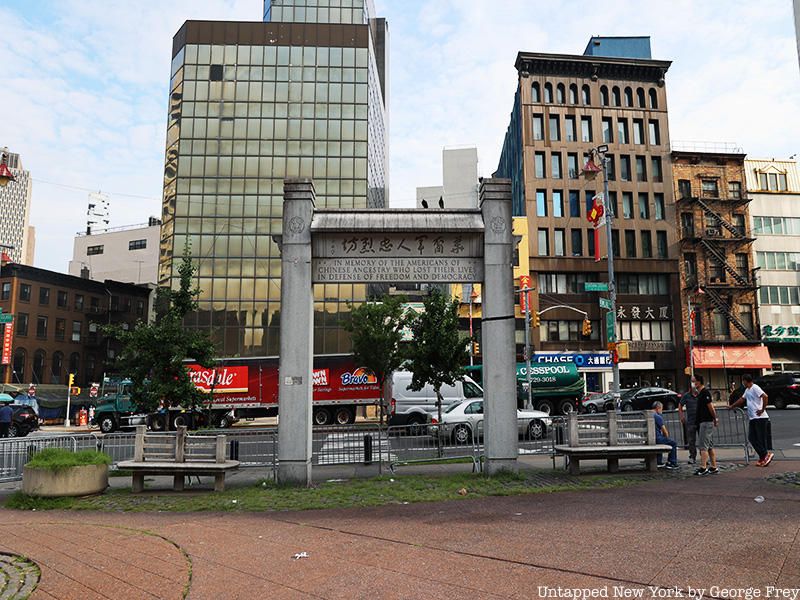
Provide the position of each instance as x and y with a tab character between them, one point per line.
781	333
636	312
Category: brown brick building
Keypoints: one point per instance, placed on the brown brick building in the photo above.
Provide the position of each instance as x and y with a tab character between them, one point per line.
716	265
566	105
57	320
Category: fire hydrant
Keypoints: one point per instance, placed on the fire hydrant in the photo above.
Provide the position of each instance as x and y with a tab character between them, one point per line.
83	417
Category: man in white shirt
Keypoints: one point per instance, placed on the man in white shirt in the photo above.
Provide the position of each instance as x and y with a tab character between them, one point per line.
756	401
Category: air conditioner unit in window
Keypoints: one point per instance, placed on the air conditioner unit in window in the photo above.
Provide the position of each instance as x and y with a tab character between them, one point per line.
713	232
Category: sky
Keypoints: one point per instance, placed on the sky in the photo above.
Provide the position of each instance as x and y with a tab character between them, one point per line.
84	91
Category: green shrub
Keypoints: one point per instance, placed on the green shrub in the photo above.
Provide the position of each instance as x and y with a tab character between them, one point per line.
59	459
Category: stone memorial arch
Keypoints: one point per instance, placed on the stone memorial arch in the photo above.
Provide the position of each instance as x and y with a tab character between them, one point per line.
388	246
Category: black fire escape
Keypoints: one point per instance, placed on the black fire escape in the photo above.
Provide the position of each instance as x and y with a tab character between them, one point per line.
717	239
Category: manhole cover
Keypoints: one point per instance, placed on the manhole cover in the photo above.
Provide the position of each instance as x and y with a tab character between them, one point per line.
20	576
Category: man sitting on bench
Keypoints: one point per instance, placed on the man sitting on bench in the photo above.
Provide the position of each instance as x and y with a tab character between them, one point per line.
662	437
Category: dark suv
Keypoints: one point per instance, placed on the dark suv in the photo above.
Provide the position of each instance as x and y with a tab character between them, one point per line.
643	398
781	388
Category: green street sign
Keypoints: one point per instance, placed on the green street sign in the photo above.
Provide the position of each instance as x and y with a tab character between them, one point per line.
595	286
6	319
610	320
605	303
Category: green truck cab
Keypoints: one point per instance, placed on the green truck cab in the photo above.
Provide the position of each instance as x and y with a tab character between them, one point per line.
115	409
556	388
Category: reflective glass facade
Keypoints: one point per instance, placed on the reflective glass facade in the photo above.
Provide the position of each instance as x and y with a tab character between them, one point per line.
252	104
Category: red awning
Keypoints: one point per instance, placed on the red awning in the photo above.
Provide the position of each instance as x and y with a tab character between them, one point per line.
731	357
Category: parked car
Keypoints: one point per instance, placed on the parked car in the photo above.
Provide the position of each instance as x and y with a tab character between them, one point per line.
24	419
461	420
643	399
781	388
594	402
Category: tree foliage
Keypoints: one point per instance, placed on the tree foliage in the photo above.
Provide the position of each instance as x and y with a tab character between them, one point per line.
376	331
438	352
153	354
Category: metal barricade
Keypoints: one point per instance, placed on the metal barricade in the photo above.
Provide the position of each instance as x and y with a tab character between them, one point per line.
251	447
15	452
338	445
119	446
730	432
415	444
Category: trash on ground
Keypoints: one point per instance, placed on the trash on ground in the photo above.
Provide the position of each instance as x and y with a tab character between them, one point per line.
300	555
759	499
462	492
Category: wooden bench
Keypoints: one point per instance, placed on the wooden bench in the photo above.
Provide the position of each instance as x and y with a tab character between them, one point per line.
609	437
178	455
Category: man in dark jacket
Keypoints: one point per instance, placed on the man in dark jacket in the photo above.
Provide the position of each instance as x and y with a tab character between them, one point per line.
6	415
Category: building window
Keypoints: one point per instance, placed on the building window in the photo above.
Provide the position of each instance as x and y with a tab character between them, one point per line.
538	127
684	189
566	331
738	223
61	329
604	95
653	98
610	167
560	94
62	299
572	166
612	202
78	301
25	292
709	188
647	245
777	225
644	206
608	135
627	205
655	134
548	93
19	365
56	367
74	362
564	283
778	261
587	96
634	331
661	243
658	202
555	165
590	243
622	131
140	308
630	243
640	97
93	250
544	249
215	73
780	294
573	94
76	331
555	129
22	323
541	203
558	203
720	322
638	131
655	169
743	266
559	243
615	242
41	327
577	242
642	284
628	96
586	129
569	126
535	95
137	244
625	168
746	316
574	203
538	165
734	190
6	291
44	296
641	168
690	265
782	182
615	96
38	366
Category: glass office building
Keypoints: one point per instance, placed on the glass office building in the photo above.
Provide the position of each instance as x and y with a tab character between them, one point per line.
302	94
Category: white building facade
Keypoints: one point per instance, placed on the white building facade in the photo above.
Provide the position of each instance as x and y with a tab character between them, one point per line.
128	254
459	187
16	234
774	186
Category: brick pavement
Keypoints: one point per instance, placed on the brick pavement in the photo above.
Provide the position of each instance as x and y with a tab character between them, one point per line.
677	532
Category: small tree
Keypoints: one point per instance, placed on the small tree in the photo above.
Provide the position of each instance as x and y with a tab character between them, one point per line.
376	331
438	352
153	354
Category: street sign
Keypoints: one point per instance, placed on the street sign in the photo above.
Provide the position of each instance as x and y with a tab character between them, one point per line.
6	319
595	286
610	319
605	303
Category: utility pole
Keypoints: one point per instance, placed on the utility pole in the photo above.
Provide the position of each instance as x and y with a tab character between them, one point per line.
612	286
526	291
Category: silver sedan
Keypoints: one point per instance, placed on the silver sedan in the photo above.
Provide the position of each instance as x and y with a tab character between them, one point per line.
462	420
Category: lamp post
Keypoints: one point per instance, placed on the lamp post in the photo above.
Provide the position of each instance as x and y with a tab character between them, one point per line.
590	170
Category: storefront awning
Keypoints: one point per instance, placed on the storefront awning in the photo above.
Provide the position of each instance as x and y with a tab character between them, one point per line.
731	357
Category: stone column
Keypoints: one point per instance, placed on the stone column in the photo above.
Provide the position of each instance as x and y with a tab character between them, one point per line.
296	359
497	325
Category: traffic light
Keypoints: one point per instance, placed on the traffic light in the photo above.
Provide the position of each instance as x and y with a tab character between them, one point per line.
476	349
535	319
587	328
71	379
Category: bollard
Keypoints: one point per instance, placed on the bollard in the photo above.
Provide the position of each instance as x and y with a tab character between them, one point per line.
234	450
367	449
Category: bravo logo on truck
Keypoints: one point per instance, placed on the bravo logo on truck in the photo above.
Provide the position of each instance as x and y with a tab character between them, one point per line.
360	376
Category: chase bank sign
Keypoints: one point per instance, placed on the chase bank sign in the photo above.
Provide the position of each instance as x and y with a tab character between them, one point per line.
582	360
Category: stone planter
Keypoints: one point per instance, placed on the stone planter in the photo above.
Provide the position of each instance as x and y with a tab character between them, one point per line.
74	481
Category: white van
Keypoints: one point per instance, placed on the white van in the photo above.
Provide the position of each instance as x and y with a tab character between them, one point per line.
413	408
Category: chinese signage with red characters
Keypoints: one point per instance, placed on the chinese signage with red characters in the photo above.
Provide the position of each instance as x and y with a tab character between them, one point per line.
731	357
524	284
7	339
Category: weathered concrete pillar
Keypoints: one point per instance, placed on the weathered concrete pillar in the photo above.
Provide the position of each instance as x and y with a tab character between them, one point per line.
497	325
296	359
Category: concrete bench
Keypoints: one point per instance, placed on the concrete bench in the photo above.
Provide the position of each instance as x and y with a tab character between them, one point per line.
178	455
611	436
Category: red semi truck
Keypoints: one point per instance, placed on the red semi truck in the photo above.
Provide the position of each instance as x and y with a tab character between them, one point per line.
248	388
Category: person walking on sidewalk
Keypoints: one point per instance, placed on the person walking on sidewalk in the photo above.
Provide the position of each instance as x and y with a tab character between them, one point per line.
6	416
687	409
706	419
756	401
662	437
